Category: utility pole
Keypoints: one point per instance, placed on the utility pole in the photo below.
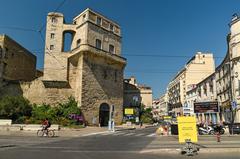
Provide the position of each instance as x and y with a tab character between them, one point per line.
111	123
231	93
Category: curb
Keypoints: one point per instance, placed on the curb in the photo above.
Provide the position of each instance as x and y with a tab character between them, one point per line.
178	151
123	129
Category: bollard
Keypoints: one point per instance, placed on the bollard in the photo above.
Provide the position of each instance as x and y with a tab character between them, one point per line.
218	137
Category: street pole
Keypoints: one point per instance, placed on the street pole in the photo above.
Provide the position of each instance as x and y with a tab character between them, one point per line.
231	95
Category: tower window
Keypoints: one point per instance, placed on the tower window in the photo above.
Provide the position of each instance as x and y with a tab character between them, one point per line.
99	21
105	74
78	42
52	35
111	49
98	44
51	47
111	27
115	75
54	20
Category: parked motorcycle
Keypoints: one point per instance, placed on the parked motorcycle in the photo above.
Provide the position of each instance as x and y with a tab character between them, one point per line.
205	130
218	129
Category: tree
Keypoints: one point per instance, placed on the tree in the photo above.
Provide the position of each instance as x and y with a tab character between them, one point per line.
16	108
146	115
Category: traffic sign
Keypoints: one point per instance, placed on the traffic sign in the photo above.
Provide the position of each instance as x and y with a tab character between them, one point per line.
234	105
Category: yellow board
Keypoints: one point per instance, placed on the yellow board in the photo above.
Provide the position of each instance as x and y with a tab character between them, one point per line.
187	129
167	117
128	111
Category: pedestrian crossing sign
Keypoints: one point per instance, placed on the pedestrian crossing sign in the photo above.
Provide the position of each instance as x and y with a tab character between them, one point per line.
187	129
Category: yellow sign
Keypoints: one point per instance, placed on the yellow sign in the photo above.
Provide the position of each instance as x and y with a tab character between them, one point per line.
128	111
167	117
187	129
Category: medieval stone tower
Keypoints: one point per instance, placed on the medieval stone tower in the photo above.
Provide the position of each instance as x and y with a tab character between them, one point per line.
92	70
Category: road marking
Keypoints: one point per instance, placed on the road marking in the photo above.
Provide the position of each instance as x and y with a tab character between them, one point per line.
120	133
140	134
129	134
96	133
150	135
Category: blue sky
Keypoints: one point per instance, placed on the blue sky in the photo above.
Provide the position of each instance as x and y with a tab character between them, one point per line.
153	28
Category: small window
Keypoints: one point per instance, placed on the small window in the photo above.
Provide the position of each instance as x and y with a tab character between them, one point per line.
78	42
54	20
105	74
84	16
52	35
99	21
111	49
51	47
98	44
74	22
115	75
111	27
6	53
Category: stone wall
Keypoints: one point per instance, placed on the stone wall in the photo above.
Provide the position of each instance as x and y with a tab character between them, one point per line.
102	83
16	62
39	92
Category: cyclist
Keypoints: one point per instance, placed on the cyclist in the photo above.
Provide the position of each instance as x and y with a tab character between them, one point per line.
46	124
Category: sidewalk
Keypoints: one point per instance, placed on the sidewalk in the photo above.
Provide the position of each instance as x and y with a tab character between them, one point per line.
63	132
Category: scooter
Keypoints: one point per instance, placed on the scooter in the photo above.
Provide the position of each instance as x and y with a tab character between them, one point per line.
205	130
218	129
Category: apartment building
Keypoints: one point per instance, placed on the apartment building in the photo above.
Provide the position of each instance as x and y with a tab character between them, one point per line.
227	75
196	69
202	99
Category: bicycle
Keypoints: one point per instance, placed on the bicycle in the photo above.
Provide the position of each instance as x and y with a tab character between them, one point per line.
45	132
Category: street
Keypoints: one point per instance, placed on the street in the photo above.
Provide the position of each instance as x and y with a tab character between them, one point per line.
128	144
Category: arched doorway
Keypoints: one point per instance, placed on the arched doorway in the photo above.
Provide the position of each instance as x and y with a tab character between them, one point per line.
104	114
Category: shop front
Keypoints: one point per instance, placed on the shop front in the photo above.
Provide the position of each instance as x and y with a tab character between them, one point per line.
207	112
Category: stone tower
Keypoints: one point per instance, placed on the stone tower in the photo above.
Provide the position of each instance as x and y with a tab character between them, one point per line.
88	29
91	71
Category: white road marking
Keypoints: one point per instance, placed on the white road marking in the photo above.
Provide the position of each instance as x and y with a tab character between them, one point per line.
150	135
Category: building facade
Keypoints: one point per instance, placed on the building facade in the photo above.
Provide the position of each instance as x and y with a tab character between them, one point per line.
196	69
136	97
160	107
91	71
16	62
137	93
227	76
204	97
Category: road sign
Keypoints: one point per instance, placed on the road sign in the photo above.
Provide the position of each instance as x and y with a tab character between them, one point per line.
187	129
128	111
234	105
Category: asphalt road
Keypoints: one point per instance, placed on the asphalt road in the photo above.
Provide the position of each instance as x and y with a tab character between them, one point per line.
132	144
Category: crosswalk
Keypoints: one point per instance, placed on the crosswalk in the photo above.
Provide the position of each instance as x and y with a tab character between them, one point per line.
122	133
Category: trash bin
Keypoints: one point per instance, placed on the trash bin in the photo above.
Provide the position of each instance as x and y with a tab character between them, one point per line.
174	129
234	129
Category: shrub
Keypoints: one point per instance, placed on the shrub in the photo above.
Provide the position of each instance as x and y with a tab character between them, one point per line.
16	108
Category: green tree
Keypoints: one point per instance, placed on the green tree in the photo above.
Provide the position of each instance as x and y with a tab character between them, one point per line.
146	115
16	108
